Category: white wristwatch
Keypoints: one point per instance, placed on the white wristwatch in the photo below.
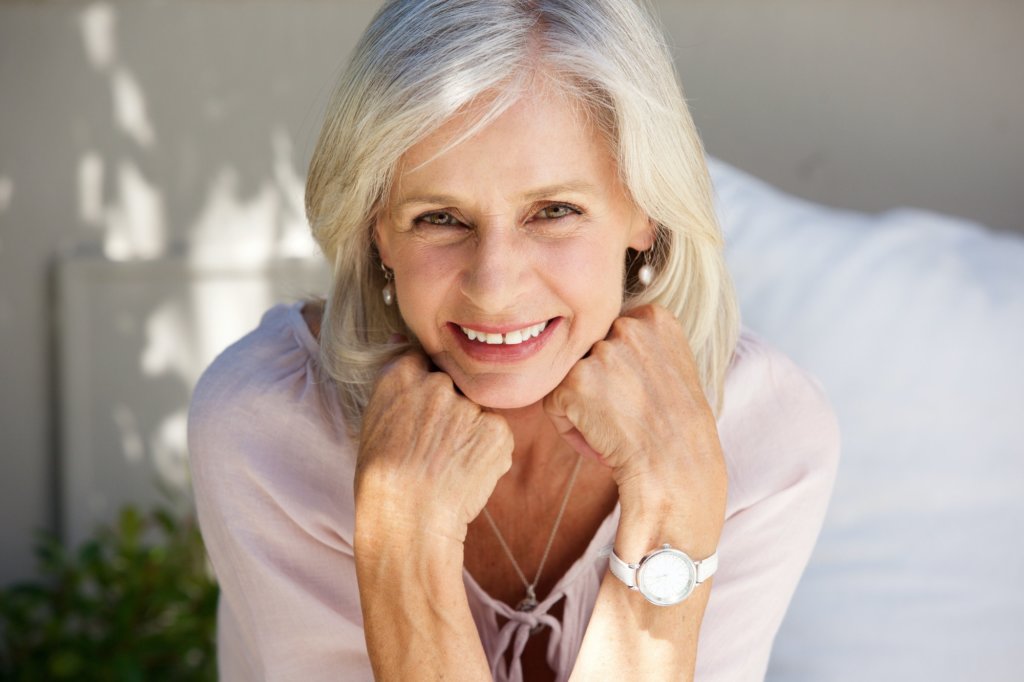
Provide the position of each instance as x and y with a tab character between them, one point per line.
664	576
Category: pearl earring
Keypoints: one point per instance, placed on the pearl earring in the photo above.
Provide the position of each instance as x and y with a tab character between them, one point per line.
388	292
646	273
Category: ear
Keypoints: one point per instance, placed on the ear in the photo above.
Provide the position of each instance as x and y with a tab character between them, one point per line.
642	233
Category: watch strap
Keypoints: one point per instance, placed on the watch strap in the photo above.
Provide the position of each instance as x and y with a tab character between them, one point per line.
627	572
621	570
706	567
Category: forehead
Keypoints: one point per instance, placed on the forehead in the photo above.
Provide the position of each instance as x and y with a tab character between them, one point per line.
543	138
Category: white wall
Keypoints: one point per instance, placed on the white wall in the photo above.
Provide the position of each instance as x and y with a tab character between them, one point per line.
140	124
864	105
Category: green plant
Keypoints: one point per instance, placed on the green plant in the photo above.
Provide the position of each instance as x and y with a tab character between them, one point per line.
135	602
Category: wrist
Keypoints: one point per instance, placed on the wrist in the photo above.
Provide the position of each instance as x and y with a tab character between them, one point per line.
638	534
652	500
651	518
389	547
416	617
382	534
403	519
410	570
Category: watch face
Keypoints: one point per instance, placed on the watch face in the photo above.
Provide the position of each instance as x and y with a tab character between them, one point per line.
666	577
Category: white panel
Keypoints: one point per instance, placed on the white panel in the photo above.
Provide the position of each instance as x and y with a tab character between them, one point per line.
133	338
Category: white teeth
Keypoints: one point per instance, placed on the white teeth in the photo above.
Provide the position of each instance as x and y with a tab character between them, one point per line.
511	338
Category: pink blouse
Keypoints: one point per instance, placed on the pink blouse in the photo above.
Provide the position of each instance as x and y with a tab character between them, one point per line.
273	477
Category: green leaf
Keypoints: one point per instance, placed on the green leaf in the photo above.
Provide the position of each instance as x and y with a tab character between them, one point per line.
65	664
128	604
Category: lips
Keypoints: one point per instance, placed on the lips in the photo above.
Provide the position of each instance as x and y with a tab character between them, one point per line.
501	345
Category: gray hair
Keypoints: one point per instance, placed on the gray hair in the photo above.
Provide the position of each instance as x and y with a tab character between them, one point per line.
420	62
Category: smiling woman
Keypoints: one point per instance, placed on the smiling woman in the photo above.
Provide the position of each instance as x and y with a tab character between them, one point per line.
527	396
531	232
426	78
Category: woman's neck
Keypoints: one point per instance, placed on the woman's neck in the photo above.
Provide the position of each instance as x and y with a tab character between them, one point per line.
540	453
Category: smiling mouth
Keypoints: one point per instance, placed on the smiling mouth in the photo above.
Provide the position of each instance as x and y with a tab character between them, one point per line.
511	338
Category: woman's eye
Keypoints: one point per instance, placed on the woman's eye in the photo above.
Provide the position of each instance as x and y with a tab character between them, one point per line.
439	218
555	211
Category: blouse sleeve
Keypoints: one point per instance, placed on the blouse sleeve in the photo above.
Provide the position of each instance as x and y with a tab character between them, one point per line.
273	497
781	441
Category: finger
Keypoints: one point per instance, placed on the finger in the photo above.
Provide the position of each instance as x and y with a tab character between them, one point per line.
557	415
577	442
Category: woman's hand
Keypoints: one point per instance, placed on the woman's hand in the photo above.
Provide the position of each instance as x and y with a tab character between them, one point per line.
428	461
429	458
636	403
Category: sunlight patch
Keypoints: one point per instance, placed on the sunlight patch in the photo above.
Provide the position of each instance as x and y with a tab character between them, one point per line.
135	228
97	23
90	188
130	108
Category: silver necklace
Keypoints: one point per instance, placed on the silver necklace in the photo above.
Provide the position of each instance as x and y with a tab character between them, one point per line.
529	602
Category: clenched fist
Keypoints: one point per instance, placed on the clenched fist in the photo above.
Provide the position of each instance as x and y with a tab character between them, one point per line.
429	458
636	403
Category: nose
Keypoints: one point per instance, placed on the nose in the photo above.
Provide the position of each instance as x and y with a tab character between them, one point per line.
498	269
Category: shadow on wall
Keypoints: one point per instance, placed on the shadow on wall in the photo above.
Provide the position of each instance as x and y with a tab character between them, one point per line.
175	277
142	163
133	152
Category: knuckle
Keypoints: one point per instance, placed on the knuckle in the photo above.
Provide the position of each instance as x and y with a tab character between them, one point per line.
437	381
657	312
619	324
559	399
404	362
402	369
600	350
628	327
499	431
552	402
494	424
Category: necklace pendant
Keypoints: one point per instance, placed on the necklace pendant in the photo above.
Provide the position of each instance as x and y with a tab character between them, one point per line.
527	604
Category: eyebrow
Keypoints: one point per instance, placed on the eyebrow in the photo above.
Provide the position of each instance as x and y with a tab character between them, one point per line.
573	187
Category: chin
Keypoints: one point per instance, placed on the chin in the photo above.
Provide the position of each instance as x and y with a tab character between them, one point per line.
505	393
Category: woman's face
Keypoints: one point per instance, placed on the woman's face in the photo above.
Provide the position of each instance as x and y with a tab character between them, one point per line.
508	250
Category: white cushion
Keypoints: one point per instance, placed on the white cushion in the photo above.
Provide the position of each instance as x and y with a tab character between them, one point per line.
914	323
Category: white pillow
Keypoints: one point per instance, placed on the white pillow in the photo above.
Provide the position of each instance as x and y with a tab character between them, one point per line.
914	323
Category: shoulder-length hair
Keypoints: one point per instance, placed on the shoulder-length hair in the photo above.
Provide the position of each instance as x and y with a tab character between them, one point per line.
421	61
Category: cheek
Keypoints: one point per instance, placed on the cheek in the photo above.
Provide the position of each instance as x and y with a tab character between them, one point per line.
421	291
591	283
585	276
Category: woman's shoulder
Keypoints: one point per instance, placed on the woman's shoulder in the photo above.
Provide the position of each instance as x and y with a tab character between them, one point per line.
759	368
262	422
777	421
268	381
266	448
261	366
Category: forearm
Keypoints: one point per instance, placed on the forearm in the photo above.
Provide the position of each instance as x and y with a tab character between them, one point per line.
416	615
631	638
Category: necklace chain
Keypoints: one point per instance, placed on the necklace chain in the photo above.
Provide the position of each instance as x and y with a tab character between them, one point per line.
530	601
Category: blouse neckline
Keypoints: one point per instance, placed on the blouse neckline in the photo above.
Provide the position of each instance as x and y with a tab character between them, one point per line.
515	632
